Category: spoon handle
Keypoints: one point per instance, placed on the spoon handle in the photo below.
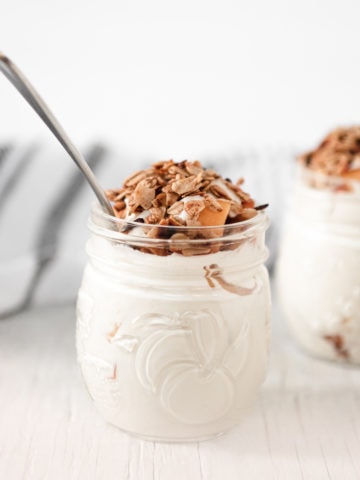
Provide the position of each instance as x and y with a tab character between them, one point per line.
26	89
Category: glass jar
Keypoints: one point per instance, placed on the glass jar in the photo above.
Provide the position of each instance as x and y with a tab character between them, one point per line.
318	271
172	335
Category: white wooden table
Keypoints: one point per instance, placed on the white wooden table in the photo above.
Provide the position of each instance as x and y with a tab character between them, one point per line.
305	425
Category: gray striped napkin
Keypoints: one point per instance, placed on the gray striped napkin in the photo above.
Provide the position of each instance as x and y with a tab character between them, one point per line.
45	202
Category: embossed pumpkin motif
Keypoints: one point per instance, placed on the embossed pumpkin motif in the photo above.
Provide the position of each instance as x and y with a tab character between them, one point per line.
188	360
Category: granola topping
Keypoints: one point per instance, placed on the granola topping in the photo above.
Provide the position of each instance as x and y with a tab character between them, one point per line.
338	154
183	194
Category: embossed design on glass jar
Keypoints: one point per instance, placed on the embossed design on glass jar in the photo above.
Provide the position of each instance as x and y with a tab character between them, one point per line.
122	340
104	387
187	359
85	306
105	370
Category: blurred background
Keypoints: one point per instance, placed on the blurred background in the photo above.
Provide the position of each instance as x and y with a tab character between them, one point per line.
185	78
238	84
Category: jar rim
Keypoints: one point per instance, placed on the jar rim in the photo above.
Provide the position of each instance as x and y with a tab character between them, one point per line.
118	229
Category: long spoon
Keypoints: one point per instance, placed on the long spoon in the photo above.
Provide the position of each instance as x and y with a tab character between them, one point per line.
26	89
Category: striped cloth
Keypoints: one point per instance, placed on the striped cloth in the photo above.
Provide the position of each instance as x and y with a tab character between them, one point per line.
45	203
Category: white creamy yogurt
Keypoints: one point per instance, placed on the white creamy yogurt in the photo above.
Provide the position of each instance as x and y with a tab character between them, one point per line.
174	347
318	271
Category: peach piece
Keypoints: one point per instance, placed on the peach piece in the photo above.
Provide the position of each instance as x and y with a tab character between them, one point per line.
212	218
352	174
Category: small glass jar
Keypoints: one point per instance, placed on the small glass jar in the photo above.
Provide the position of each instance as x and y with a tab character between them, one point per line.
318	271
172	335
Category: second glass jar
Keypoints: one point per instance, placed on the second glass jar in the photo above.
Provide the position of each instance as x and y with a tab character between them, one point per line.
318	272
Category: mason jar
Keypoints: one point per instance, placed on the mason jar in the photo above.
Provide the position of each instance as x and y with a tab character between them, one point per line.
318	271
173	334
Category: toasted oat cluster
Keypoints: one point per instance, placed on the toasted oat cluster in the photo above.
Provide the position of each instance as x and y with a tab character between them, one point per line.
337	155
180	195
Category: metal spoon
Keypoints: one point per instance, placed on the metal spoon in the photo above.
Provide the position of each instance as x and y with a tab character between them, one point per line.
25	88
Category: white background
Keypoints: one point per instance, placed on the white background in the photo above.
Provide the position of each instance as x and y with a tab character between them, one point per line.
185	78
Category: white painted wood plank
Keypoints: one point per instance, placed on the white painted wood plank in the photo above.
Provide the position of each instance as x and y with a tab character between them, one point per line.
305	424
177	461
